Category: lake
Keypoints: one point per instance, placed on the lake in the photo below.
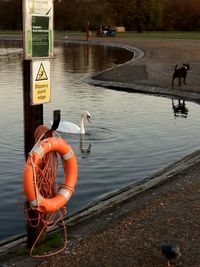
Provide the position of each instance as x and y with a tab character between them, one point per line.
132	135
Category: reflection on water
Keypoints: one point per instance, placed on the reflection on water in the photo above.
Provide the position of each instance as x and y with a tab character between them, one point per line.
179	109
131	136
90	58
84	149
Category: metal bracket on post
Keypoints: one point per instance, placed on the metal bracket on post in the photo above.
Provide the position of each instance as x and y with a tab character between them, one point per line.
56	120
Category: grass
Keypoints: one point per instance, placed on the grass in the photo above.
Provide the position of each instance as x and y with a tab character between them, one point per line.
51	243
128	35
143	35
9	32
162	35
70	33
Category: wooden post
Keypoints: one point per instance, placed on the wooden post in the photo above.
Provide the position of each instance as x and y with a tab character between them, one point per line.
38	49
33	117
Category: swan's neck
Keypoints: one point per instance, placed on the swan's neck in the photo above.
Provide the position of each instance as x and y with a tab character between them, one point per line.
82	129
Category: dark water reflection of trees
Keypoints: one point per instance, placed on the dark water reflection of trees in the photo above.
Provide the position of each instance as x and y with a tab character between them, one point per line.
93	58
76	57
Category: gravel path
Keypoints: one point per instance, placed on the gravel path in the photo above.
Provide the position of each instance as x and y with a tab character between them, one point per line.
135	230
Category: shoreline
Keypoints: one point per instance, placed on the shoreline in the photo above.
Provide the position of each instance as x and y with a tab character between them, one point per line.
114	198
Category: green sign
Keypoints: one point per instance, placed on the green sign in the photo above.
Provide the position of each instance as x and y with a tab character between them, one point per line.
40	36
38	28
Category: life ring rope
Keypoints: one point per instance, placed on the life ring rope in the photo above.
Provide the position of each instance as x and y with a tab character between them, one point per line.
35	202
34	196
33	177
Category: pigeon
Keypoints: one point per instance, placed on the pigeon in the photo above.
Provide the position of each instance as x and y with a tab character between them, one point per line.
171	252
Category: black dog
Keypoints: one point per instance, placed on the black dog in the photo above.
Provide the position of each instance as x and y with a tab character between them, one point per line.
180	73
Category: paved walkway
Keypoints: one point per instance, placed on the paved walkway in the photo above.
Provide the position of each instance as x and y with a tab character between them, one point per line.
130	232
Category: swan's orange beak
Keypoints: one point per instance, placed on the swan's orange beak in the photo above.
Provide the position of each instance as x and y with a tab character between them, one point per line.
89	118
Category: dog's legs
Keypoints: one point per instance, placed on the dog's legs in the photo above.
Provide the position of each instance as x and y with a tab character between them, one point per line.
179	81
173	81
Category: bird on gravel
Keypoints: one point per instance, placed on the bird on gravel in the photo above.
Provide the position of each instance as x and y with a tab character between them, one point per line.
171	252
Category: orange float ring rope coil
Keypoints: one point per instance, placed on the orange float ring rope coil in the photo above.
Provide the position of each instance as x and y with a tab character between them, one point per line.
37	201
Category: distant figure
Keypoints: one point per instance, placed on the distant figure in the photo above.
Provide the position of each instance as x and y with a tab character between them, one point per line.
89	34
106	31
180	73
171	252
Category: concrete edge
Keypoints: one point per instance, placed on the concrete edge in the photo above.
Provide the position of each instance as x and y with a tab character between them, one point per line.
133	87
138	53
128	192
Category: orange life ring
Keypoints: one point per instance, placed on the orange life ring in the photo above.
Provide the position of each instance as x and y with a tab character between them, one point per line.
37	201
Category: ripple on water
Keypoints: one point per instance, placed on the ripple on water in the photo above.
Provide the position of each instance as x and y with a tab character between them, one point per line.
93	134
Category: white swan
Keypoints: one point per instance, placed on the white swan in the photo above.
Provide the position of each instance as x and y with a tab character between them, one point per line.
70	127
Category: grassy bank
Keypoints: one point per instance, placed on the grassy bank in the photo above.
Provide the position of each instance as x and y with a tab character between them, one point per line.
144	35
6	32
162	35
128	35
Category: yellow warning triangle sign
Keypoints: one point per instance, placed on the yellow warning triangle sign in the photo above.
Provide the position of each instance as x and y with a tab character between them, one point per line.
41	75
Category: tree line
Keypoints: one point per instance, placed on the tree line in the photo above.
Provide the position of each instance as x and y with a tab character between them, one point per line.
135	15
